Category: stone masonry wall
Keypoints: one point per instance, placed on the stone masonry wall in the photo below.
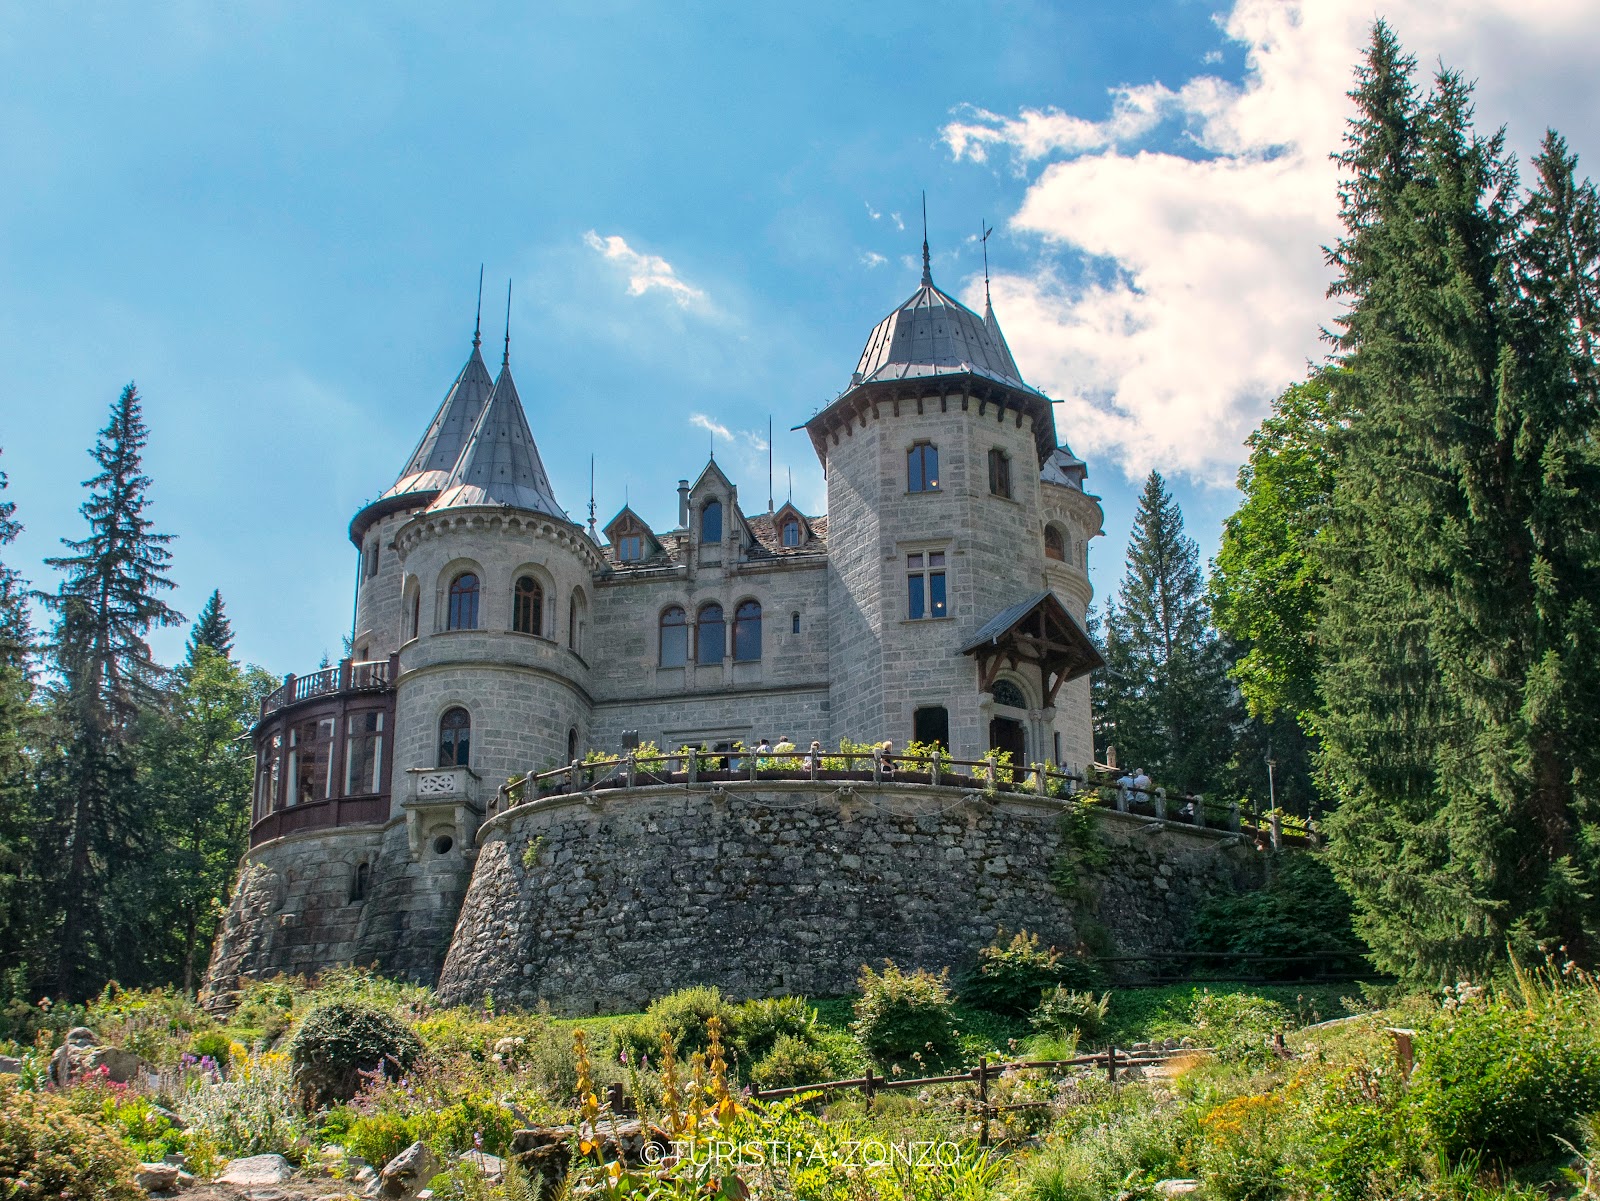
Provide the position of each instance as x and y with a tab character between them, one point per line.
601	903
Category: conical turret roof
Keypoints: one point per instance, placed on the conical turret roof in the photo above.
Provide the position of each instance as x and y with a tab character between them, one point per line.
500	463
447	435
931	334
992	325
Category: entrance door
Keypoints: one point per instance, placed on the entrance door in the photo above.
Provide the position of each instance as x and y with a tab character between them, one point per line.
1006	734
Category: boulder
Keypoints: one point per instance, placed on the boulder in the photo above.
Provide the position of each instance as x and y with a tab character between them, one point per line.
490	1167
156	1177
408	1173
81	1055
1177	1188
256	1170
10	1066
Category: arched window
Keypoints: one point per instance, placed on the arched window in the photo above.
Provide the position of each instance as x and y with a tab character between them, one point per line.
572	744
455	738
527	606
1054	546
710	636
794	622
358	886
922	468
999	473
463	602
1007	693
747	632
791	532
416	613
674	637
711	521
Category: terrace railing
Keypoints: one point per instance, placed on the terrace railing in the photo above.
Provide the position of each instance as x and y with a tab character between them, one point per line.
346	676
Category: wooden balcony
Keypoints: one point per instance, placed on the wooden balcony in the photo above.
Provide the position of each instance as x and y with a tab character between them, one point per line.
321	815
376	675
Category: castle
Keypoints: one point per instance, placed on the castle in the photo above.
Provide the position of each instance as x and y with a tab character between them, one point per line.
942	598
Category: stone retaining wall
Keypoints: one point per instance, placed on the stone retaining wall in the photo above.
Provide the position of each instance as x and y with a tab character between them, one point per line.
601	903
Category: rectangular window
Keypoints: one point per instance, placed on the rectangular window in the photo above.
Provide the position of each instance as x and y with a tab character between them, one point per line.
363	754
630	549
311	761
925	585
922	468
372	558
999	473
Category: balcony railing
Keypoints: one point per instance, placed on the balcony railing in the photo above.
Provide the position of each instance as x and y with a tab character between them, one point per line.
321	815
348	675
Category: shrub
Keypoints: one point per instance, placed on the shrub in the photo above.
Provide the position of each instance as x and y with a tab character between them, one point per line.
1303	910
758	1025
1500	1080
1239	1025
339	1041
791	1061
1011	974
254	1113
682	1014
49	1152
1065	1011
379	1137
903	1015
1241	1153
213	1045
1356	1137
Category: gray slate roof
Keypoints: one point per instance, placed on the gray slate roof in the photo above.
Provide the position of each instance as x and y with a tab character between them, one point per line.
441	446
1064	468
932	334
500	464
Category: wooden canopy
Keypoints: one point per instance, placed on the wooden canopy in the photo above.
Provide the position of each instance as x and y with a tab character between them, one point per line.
1038	632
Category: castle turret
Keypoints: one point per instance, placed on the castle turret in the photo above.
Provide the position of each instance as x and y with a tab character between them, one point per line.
948	624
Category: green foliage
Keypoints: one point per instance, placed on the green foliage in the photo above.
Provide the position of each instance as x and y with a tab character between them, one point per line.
256	1111
341	1040
862	761
213	1044
904	1016
1011	974
1083	851
1239	1026
49	1153
1356	1138
757	1025
921	757
1064	1011
1166	703
1302	910
146	1131
1501	1079
379	1137
683	1014
792	1060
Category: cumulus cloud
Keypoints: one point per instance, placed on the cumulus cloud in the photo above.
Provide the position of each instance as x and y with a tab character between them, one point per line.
1177	293
646	272
871	258
747	440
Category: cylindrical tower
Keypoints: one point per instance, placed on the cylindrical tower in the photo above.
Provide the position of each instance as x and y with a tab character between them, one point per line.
937	522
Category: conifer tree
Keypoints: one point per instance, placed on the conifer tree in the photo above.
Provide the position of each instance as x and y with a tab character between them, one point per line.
18	814
106	605
1167	696
1459	551
212	628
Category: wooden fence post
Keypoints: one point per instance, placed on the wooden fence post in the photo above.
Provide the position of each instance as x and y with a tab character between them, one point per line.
868	1089
1111	1064
1277	830
983	1101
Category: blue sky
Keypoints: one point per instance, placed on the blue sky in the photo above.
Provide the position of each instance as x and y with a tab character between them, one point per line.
271	217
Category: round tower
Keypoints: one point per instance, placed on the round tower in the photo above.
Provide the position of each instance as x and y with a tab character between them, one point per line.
951	622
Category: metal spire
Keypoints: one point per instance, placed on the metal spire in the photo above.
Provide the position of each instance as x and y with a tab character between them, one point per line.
927	267
592	537
769	463
505	359
477	322
984	225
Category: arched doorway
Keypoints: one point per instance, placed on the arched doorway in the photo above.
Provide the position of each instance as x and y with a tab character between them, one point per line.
1007	734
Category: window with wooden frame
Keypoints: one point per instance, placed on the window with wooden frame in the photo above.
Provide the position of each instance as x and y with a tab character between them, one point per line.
999	473
463	613
455	738
630	548
527	606
791	532
922	468
1055	546
926	594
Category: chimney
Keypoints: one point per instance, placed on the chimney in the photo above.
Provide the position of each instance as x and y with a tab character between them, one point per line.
683	504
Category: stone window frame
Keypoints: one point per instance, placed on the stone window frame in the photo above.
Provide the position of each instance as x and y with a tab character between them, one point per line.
917	476
411	607
1000	473
722	520
541	576
446	708
1063	541
577	619
742	617
661	627
369	557
917	563
452	571
722	625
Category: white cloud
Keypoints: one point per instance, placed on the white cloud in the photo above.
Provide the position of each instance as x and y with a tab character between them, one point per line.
871	258
710	426
646	272
748	440
1204	287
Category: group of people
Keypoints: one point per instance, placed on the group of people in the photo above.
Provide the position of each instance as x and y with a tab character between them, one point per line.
1134	783
785	754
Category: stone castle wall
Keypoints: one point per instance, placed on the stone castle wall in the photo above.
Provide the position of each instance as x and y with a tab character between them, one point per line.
602	902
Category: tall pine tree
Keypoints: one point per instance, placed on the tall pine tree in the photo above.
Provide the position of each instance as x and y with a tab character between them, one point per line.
105	607
1166	702
19	826
211	629
1460	551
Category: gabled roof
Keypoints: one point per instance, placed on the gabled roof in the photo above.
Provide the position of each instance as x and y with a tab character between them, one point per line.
1039	631
715	473
624	516
1064	468
447	434
767	530
500	463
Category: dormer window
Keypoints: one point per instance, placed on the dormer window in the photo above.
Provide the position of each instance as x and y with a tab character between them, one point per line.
711	521
791	532
630	548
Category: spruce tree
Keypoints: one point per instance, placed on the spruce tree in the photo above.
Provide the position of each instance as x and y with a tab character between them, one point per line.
1167	697
211	629
19	825
105	606
1460	550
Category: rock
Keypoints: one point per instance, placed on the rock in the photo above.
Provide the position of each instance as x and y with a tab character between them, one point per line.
187	1180
10	1065
490	1167
257	1169
1177	1188
366	1174
82	1055
156	1177
407	1173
